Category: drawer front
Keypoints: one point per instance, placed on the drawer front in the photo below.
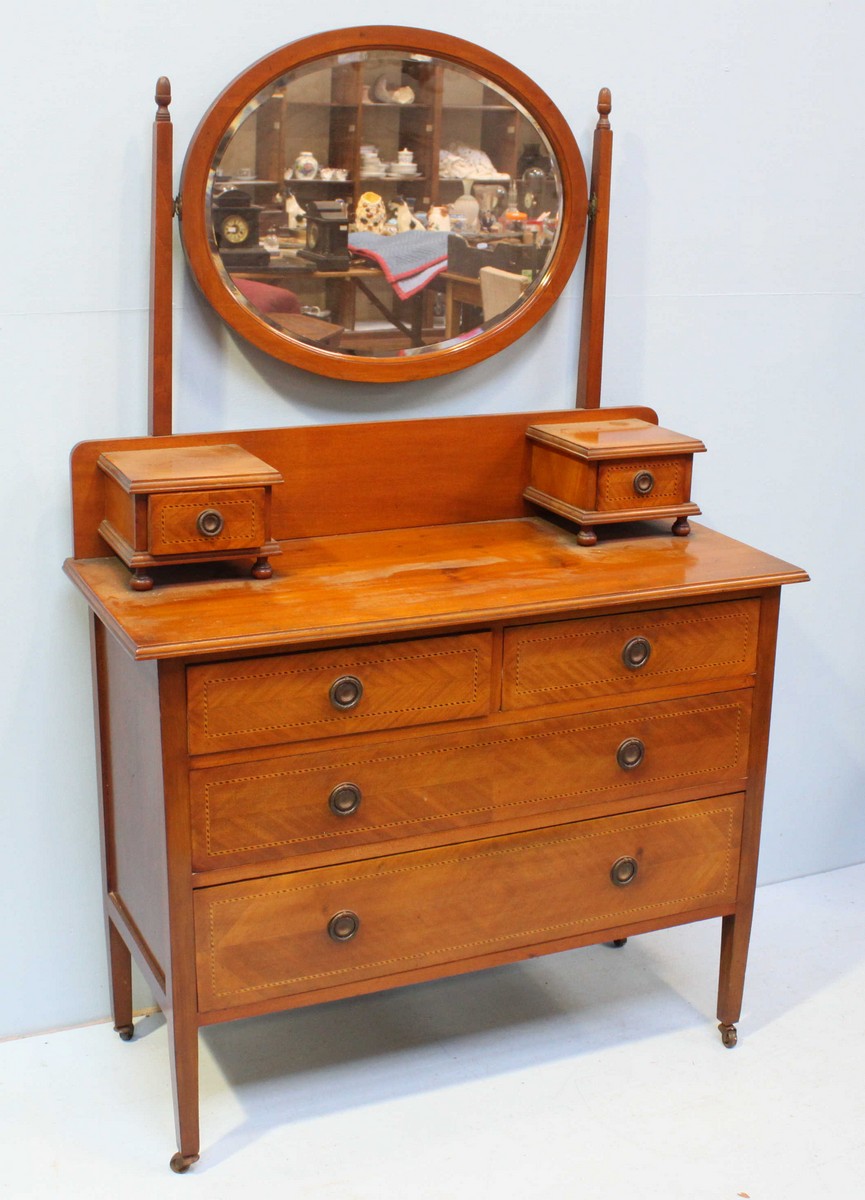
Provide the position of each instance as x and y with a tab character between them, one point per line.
628	653
178	523
260	702
625	484
310	803
341	926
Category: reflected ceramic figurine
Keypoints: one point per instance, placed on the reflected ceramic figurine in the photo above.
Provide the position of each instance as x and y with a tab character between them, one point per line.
438	218
406	221
370	214
305	165
294	213
385	94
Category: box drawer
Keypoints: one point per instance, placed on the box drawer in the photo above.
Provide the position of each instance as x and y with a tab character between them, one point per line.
619	483
335	927
330	800
629	652
202	522
263	701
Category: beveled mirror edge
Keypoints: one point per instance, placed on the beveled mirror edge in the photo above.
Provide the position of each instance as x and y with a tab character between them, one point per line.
217	119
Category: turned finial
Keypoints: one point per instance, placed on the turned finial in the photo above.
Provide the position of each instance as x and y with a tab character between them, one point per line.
162	97
605	103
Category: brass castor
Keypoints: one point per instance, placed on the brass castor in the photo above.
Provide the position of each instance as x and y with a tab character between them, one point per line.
181	1163
729	1035
616	943
125	1031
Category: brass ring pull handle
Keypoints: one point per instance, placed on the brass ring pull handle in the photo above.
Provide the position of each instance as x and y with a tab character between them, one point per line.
636	652
630	754
343	926
346	692
644	481
345	799
624	871
210	522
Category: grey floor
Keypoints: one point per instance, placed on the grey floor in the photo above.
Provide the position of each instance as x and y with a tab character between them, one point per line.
597	1073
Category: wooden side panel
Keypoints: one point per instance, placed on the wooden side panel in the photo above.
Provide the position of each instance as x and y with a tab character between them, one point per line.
120	512
268	938
573	660
453	784
358	478
140	882
263	701
564	477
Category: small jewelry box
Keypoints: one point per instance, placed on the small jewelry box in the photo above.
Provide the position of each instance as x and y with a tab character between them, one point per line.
600	472
187	505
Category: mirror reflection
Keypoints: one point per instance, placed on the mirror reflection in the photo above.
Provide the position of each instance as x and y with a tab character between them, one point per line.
383	203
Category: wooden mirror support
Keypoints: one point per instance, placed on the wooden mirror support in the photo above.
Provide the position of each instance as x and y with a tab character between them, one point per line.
595	288
161	259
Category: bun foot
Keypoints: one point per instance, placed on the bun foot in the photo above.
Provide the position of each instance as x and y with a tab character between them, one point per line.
681	528
616	943
729	1035
125	1032
586	536
141	581
180	1163
262	569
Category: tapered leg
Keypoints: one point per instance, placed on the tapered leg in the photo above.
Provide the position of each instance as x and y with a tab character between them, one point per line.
735	936
120	968
183	1047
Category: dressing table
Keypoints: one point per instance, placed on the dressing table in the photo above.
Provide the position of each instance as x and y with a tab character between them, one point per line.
443	734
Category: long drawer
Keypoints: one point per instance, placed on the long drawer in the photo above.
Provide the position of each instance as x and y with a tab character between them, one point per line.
567	661
308	803
264	701
309	931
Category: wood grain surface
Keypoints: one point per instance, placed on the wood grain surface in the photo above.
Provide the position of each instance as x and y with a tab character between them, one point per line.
268	938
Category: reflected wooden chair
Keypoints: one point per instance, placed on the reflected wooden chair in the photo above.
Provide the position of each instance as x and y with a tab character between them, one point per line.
499	290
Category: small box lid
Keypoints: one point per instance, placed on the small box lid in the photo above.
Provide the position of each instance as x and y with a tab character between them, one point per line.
622	438
186	469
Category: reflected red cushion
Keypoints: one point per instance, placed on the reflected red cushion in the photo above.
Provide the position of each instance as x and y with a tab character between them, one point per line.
266	297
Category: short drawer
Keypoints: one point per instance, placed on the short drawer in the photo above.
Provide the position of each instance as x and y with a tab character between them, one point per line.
643	483
629	652
264	701
330	800
201	522
339	927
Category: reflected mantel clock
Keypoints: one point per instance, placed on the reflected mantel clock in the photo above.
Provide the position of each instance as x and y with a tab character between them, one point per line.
489	704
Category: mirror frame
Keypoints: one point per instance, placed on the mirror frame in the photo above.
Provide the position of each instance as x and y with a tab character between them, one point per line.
194	223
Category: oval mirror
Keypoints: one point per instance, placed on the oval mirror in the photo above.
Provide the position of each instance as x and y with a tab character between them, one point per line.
382	204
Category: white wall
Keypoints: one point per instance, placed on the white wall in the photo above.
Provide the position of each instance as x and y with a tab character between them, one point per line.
735	309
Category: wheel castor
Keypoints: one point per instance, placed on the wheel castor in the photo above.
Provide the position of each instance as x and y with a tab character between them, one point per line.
125	1031
729	1035
181	1163
616	943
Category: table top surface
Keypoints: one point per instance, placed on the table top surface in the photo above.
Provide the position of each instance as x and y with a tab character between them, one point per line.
422	580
